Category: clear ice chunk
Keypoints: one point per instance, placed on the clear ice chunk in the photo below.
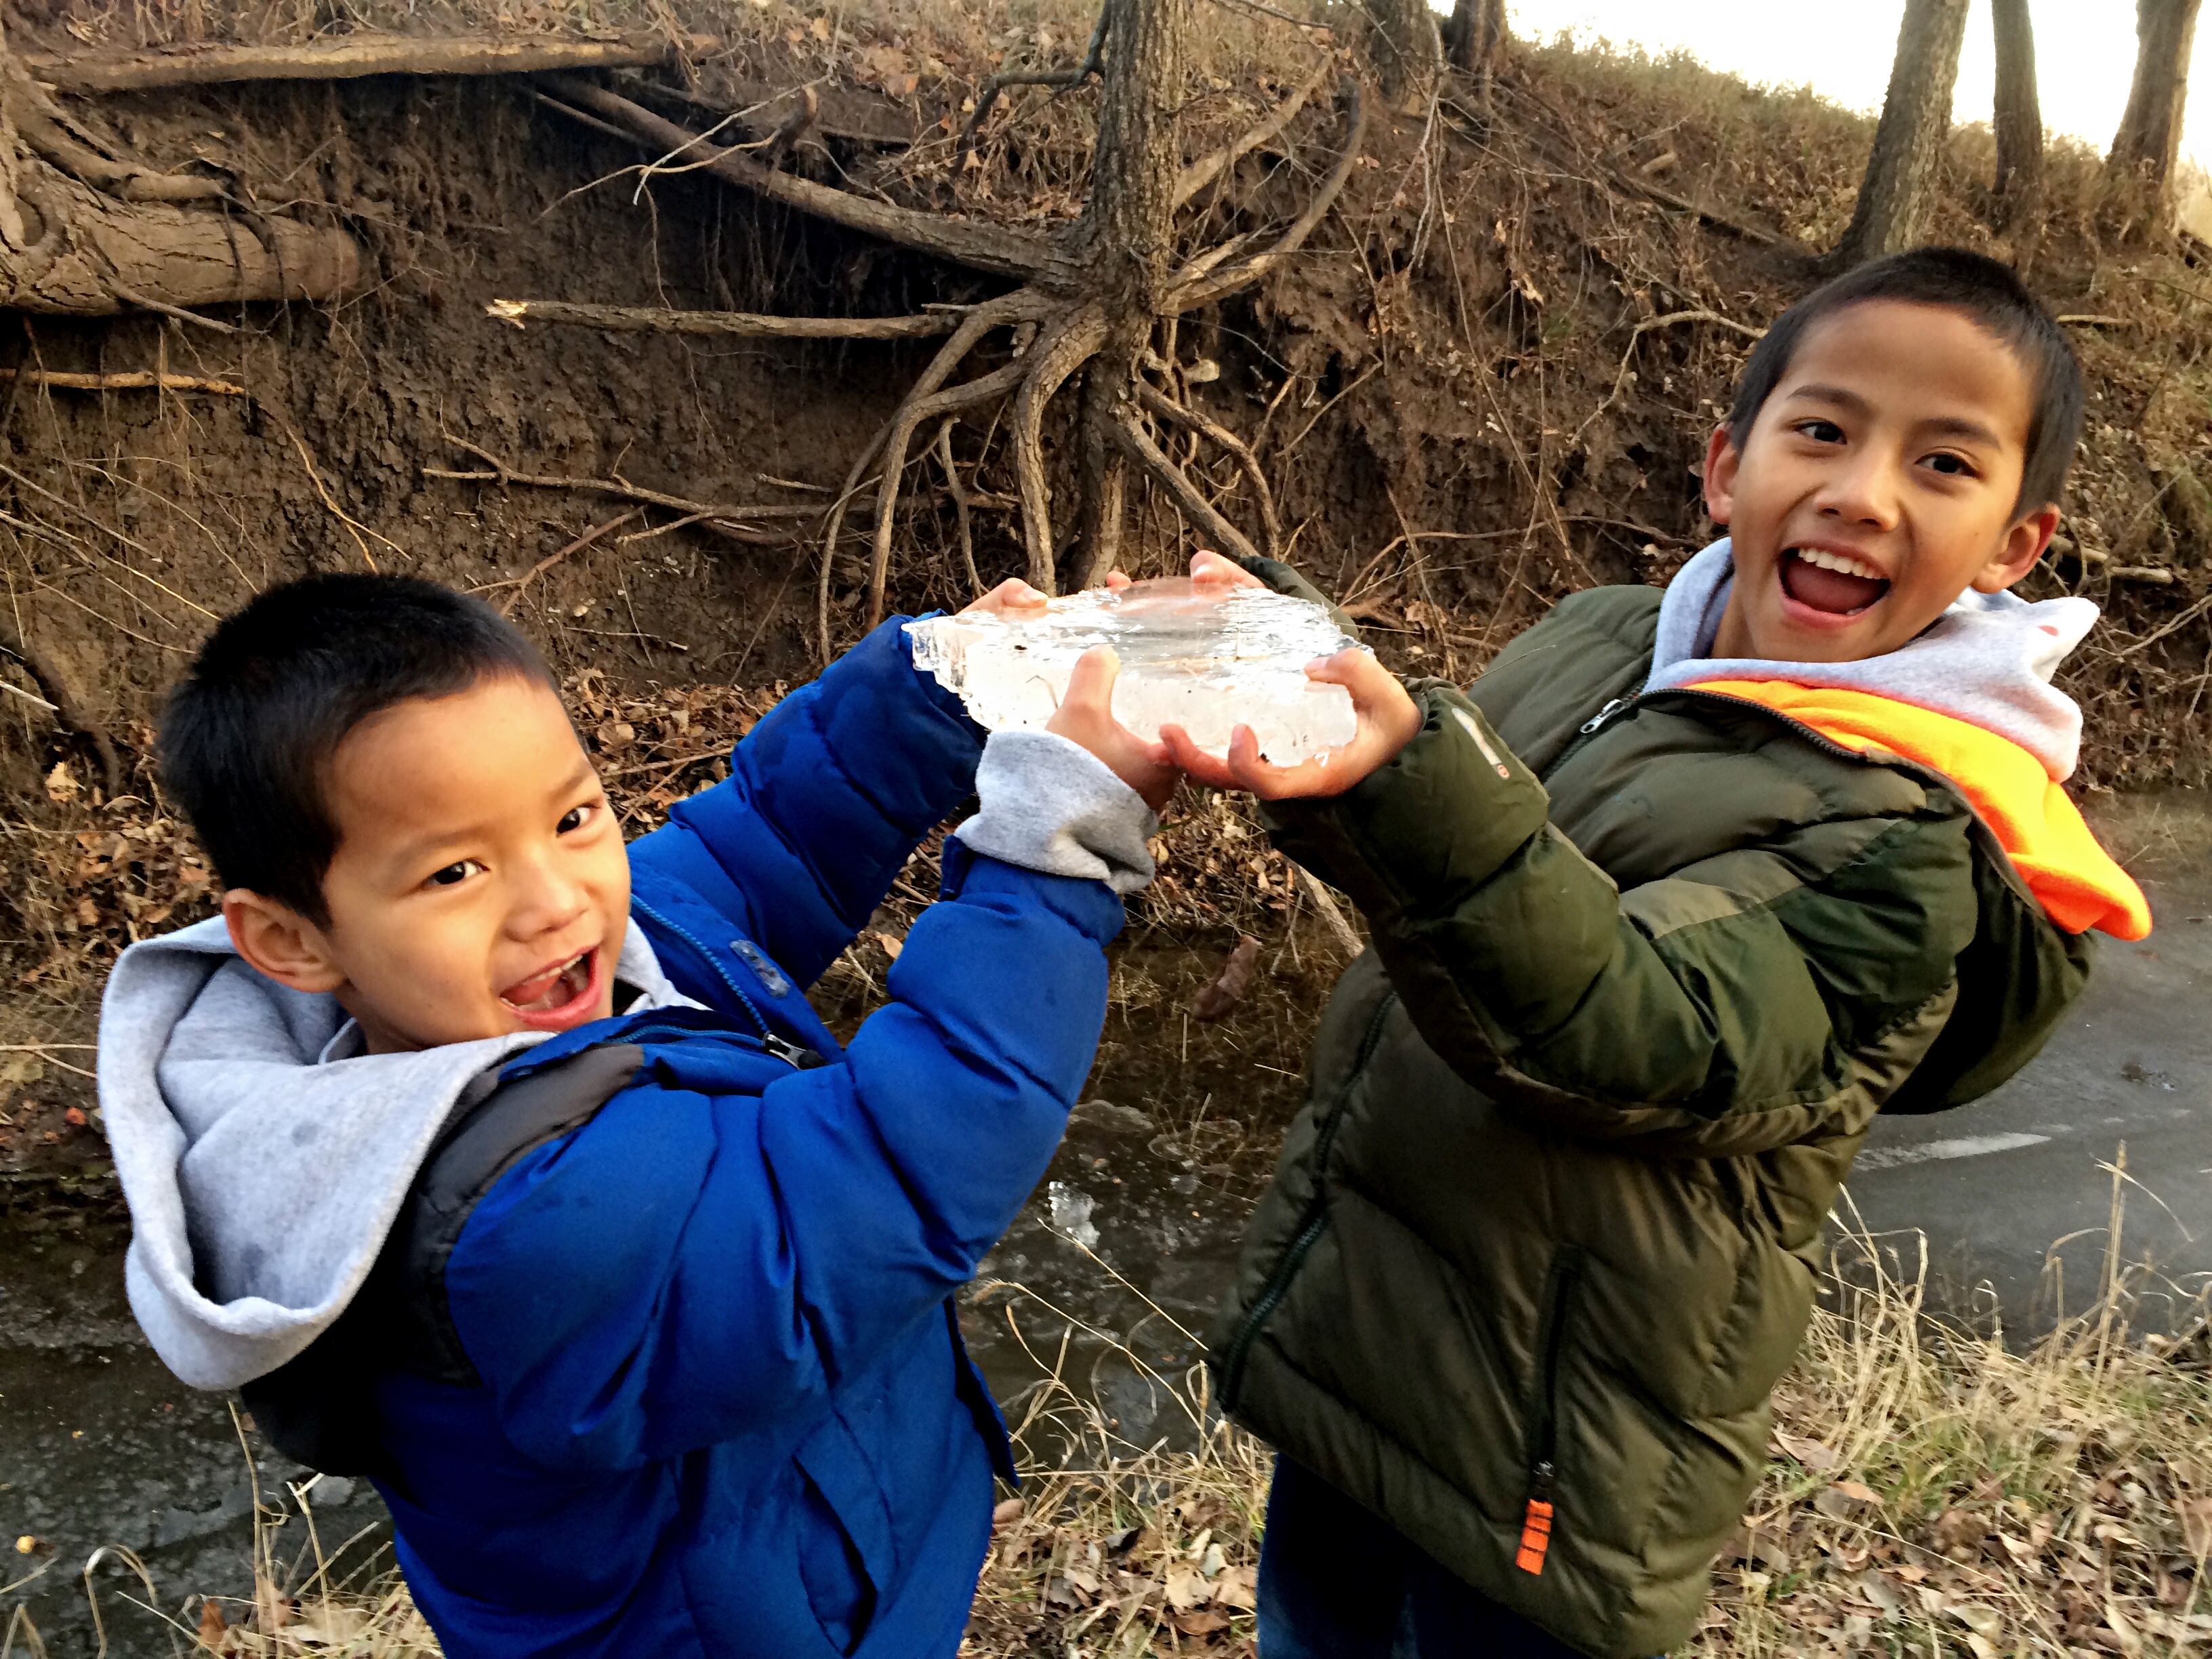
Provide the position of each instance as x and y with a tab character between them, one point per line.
1204	660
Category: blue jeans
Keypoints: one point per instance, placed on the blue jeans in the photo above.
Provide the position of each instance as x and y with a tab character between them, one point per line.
1338	1583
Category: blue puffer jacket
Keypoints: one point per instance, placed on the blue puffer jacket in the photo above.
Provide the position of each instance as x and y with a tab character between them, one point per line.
722	1408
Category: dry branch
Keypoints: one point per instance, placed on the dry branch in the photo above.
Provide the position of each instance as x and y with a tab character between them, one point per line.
1206	289
354	56
69	713
518	583
660	320
1627	357
988	95
961	506
1158	402
1188	495
130	380
729	521
983	247
1204	170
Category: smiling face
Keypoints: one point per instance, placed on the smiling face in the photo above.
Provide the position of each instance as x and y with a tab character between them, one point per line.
1879	482
480	884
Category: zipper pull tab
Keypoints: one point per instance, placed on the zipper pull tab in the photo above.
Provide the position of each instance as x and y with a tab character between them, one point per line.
1536	1524
1602	715
791	1053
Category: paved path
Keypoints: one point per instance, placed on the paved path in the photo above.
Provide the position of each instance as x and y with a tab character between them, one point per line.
1995	1184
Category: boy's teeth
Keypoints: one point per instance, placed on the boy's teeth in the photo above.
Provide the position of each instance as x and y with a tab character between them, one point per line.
1841	563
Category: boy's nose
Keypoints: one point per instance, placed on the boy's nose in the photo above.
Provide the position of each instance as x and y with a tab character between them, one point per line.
546	901
1865	492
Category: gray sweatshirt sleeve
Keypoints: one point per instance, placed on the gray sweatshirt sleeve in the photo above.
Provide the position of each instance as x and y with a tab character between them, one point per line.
1051	804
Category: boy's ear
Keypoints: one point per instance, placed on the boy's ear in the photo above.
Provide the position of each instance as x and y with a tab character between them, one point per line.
277	941
2023	545
1721	459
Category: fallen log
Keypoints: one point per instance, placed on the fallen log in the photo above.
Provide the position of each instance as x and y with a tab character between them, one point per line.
353	56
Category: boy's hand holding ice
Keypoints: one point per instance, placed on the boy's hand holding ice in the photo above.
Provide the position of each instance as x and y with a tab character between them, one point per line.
1388	721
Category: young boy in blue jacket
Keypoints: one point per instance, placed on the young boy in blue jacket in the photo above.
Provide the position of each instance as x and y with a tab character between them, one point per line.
508	1165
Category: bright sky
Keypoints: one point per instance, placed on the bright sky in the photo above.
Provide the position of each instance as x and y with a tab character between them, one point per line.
2085	52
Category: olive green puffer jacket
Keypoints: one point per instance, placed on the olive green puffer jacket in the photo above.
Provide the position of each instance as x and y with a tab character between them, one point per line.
1644	971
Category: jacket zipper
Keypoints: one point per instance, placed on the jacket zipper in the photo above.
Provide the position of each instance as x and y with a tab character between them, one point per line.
790	1053
1590	727
1278	1282
767	1038
1544	1427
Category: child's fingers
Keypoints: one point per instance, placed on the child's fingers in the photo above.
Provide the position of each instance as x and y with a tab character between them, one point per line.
1013	593
1090	686
1116	580
1210	770
1212	569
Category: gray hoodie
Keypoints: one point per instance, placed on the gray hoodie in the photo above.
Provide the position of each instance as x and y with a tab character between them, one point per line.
265	1157
1987	661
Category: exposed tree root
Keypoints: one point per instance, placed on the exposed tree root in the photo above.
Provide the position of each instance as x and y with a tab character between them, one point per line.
731	522
1156	402
1060	350
961	506
659	320
354	56
519	583
1188	495
1204	170
69	713
128	379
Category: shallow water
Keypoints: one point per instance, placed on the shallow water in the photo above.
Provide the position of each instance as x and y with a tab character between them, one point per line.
98	1446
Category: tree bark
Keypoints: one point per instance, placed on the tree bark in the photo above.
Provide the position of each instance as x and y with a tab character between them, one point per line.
1916	117
352	56
2149	137
1475	38
2019	113
1406	49
1127	236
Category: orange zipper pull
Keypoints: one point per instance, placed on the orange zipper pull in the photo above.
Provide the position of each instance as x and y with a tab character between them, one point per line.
1535	1536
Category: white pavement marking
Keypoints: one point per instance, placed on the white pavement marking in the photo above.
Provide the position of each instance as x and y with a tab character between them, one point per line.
1889	1158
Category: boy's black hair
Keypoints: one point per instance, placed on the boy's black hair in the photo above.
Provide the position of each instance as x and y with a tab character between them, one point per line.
248	737
1996	298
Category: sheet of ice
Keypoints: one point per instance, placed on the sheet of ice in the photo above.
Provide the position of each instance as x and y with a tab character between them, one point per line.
1205	660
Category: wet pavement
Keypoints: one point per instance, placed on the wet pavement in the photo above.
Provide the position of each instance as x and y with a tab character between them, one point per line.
1109	1279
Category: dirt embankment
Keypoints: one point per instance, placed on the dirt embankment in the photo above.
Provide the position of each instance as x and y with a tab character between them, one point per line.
1485	381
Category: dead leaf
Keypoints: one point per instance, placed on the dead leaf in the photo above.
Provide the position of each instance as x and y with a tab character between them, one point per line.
1239	1588
2196	1517
1186	1589
212	1627
891	942
1009	1512
1230	986
1199	1624
74	1116
1811	1453
21	1068
62	786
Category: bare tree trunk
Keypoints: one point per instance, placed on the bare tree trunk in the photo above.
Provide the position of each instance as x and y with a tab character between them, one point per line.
1127	239
1406	50
2149	136
1474	39
2019	115
1916	117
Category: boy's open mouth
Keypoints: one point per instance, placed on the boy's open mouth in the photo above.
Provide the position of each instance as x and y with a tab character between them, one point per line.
1834	584
558	996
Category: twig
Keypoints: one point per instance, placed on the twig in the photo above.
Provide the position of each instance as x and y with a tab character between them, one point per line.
518	583
1091	64
959	494
133	379
1290	448
1627	357
2092	320
1160	404
1708	216
354	527
1326	907
722	518
146	302
608	128
59	698
658	319
2180	622
665	765
917	412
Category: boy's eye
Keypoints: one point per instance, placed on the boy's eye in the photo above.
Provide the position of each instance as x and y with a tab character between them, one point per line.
454	873
1956	466
576	818
1821	432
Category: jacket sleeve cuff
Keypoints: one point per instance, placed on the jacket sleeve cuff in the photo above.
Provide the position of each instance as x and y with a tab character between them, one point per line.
1424	830
1051	804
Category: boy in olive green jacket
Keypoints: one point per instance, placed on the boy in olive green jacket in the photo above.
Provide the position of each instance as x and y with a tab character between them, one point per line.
1666	907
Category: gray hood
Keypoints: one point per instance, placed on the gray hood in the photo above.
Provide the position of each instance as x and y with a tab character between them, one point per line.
1987	661
264	1158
